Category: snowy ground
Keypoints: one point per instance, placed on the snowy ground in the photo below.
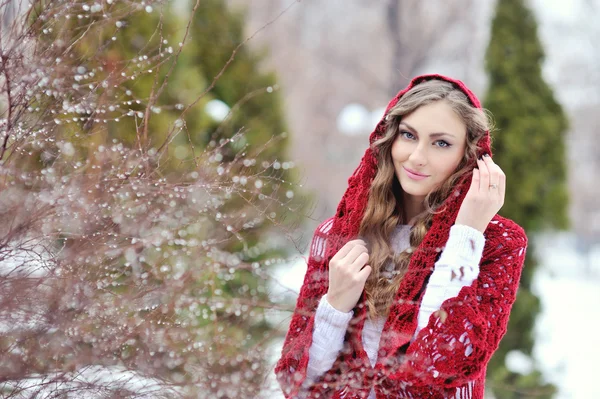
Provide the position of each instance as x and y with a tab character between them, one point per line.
567	345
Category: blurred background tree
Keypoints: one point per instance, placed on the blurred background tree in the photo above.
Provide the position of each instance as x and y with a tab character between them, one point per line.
122	107
529	143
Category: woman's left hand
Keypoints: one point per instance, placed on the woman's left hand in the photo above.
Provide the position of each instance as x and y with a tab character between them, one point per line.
485	196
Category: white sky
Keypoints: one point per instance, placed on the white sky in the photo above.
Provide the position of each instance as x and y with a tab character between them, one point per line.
562	10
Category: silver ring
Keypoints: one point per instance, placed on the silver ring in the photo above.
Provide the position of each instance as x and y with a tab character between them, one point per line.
493	186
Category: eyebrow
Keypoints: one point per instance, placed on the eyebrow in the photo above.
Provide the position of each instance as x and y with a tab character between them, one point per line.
433	135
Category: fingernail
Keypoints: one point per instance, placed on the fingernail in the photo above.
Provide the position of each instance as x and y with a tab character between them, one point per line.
486	155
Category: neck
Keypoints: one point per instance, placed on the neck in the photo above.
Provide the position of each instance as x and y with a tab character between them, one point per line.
412	207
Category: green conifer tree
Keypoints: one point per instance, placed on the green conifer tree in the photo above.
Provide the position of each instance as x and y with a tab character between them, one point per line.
529	145
127	75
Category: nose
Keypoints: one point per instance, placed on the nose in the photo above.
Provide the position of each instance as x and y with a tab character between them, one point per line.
418	156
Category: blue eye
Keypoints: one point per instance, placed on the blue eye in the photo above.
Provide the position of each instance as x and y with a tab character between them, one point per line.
407	135
443	144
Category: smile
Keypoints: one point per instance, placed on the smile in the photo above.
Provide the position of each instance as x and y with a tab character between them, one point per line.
414	175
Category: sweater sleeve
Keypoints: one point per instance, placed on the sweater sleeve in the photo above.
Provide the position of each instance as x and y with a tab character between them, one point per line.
291	369
457	267
328	338
456	345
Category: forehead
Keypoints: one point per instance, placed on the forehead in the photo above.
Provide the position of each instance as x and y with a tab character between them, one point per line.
436	117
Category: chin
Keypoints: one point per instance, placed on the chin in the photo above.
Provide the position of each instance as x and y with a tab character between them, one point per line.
419	194
412	188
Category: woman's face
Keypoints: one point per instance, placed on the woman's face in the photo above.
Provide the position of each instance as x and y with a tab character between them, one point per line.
430	145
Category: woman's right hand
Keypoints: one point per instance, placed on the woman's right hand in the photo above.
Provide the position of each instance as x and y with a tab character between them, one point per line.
347	276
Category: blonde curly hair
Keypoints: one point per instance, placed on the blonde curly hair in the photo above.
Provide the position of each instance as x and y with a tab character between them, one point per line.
383	211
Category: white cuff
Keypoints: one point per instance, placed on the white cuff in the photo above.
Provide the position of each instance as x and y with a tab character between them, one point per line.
457	267
330	322
464	247
328	339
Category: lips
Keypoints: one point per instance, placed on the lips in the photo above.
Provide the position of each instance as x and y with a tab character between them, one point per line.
414	175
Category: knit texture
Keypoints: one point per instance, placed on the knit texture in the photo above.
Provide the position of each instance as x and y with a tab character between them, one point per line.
331	325
448	354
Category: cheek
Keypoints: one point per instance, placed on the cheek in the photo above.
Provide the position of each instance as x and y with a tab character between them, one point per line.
398	151
449	166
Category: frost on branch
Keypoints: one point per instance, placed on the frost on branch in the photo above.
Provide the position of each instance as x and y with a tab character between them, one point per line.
136	232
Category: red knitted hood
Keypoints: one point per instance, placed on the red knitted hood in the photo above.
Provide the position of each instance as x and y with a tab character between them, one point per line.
352	206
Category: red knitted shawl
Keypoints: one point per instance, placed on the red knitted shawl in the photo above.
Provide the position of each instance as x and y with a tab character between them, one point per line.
448	358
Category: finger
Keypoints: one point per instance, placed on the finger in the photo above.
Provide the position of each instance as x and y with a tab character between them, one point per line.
497	177
493	169
359	262
363	275
484	176
345	250
475	181
354	253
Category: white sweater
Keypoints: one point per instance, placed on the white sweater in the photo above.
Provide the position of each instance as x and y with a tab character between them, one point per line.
331	324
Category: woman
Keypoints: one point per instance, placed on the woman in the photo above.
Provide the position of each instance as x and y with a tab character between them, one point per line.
416	307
